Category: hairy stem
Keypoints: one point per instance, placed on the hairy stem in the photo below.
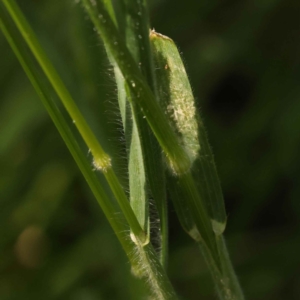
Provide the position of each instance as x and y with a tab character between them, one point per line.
133	23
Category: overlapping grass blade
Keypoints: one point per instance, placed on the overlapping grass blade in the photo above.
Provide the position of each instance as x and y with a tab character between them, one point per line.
134	24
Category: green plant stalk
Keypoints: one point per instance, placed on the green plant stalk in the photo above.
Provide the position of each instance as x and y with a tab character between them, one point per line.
191	201
176	155
232	286
177	100
142	257
226	282
138	37
223	275
114	217
148	262
102	160
134	25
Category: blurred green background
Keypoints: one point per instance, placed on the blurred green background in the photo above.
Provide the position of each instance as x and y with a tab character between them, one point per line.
243	59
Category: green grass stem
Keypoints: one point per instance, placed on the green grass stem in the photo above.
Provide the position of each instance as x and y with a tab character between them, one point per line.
197	195
101	160
225	280
115	219
177	100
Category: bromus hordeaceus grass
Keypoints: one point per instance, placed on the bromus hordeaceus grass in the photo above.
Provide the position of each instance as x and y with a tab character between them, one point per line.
201	198
159	116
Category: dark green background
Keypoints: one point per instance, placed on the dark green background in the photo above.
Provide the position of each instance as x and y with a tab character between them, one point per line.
243	61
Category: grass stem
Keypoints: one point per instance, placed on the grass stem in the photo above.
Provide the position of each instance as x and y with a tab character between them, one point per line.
101	160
